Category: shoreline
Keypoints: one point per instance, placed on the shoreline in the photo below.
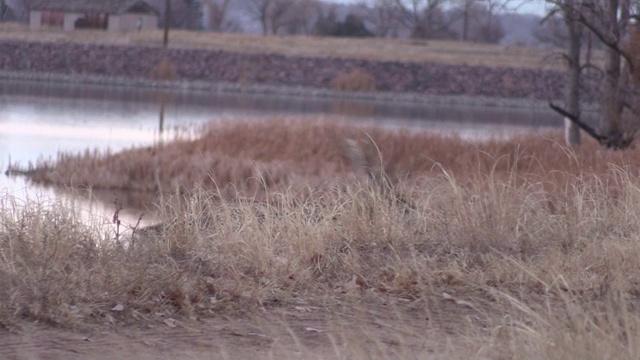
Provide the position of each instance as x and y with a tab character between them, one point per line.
280	90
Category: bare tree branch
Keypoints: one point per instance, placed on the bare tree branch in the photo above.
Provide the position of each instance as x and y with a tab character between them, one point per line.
576	120
612	44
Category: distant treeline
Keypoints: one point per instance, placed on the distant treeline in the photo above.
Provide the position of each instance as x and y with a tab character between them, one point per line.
469	20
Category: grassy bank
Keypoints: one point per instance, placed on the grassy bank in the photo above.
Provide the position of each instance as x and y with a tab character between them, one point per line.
432	51
515	248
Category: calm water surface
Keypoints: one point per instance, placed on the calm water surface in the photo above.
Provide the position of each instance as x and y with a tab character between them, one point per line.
39	120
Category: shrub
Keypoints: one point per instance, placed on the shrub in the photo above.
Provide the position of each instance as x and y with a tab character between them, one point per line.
164	70
356	80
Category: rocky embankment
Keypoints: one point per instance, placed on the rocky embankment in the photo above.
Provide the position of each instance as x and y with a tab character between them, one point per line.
277	70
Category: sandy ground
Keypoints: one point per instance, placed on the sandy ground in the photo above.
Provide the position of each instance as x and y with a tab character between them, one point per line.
289	332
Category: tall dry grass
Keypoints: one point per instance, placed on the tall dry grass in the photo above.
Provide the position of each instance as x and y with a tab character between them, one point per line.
495	265
515	248
252	158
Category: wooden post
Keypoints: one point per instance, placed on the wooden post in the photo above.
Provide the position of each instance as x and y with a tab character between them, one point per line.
161	128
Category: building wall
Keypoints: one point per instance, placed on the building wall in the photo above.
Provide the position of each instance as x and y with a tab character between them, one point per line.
114	23
35	20
70	21
206	16
132	22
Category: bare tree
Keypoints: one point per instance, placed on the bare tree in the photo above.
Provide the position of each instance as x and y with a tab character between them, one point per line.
562	28
4	10
435	25
609	21
327	20
490	26
269	13
425	18
283	16
183	13
384	16
278	14
260	11
552	30
478	21
215	14
572	96
467	7
301	17
18	9
570	35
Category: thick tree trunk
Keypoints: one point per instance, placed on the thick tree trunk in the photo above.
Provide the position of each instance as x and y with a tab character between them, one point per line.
611	97
572	95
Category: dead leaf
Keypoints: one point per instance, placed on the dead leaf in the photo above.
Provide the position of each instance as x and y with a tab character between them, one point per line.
118	308
171	322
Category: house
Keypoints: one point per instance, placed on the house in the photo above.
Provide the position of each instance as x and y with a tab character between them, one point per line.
111	15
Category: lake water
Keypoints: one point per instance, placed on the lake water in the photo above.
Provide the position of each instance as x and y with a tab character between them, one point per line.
39	120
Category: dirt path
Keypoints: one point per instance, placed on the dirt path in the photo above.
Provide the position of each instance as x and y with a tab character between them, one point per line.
291	332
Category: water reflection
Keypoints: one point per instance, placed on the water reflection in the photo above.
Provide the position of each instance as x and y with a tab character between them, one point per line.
39	120
88	207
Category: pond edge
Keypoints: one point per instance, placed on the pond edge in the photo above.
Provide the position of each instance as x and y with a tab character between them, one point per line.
298	91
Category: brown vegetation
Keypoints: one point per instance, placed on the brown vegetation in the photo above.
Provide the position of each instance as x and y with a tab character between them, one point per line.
517	248
247	158
354	81
165	70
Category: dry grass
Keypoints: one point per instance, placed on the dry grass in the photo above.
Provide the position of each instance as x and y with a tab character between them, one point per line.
514	248
441	52
249	158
